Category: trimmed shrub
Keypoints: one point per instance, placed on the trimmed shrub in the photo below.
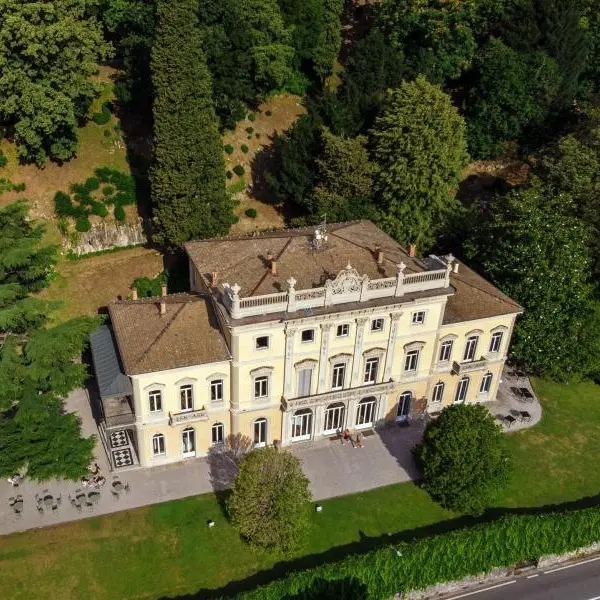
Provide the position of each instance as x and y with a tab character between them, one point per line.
249	129
228	148
257	135
244	148
3	159
150	287
251	212
239	170
19	187
101	118
248	137
91	184
63	205
229	174
400	567
268	113
107	133
108	190
234	219
82	224
251	116
119	213
99	209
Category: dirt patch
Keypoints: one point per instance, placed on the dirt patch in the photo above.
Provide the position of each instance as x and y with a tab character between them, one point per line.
258	135
86	285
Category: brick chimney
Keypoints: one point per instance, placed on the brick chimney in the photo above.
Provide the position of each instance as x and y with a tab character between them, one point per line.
163	303
134	294
163	290
273	267
412	250
214	279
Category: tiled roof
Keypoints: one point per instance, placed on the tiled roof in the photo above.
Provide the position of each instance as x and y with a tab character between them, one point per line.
187	334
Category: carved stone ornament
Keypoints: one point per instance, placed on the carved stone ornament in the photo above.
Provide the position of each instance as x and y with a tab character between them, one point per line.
348	281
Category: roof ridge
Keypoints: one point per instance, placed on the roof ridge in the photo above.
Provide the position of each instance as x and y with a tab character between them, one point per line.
160	335
149	299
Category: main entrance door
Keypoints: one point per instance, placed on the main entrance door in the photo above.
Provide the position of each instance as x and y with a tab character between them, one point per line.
334	418
365	412
188	439
403	407
302	425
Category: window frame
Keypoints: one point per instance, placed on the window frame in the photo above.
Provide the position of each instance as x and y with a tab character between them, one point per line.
415	354
341	328
472	342
259	380
437	395
416	314
371	370
377	324
459	389
334	375
445	345
486	381
262	347
152	393
189	398
217	383
310	382
157	440
311	331
496	335
216	427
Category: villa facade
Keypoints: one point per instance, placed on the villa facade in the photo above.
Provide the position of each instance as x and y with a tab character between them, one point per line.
295	335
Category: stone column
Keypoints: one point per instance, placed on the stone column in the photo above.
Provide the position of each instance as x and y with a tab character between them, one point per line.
288	377
391	347
318	422
358	344
325	331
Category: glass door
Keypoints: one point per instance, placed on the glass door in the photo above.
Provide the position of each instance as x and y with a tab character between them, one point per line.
302	425
188	438
365	413
403	407
334	418
260	433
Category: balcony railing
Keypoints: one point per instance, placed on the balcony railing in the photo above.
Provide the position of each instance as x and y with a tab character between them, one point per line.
122	420
347	287
188	416
468	367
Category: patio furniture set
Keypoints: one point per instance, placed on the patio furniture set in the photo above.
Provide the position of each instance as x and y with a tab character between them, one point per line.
521	393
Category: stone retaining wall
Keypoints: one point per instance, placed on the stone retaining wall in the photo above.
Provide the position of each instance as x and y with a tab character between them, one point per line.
108	236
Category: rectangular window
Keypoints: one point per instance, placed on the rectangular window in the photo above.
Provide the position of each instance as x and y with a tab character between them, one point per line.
371	366
158	445
185	393
261	387
418	318
471	347
216	390
343	330
218	433
461	390
411	361
445	351
496	342
486	383
262	342
304	382
308	335
438	392
339	376
155	397
377	325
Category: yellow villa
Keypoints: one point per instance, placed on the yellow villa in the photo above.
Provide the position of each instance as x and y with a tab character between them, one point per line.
293	335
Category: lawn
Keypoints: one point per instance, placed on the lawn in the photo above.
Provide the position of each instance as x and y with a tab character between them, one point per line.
167	550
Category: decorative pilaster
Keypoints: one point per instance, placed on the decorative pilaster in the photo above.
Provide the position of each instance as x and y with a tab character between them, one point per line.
325	331
358	344
351	416
318	424
289	351
389	362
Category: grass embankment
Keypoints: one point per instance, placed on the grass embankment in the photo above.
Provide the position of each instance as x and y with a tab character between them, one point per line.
167	550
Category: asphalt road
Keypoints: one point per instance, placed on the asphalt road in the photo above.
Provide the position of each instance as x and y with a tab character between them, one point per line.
575	581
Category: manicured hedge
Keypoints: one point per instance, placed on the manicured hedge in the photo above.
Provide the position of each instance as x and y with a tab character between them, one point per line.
451	556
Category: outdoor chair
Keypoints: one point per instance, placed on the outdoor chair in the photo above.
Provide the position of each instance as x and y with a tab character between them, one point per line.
516	392
115	495
526	394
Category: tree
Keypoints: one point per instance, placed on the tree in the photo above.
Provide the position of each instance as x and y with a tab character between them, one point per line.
188	177
534	248
48	51
420	151
513	90
25	267
330	38
270	499
344	187
462	458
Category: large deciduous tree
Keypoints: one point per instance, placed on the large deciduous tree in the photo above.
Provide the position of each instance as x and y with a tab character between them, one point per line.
534	248
270	499
420	151
188	177
48	51
462	458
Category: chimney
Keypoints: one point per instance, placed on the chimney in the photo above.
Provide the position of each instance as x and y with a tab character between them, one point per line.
134	294
214	279
379	253
455	267
163	307
273	267
269	256
163	290
412	250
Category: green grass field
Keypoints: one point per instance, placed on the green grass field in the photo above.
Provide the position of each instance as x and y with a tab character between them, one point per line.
167	550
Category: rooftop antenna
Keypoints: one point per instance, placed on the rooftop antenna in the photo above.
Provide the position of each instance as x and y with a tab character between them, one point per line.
320	237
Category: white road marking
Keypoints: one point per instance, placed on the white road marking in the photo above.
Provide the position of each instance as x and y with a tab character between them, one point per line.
583	562
532	576
481	591
594	598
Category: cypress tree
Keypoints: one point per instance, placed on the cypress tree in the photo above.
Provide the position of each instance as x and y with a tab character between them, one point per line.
188	177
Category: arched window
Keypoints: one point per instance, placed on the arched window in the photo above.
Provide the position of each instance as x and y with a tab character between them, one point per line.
302	425
260	433
404	402
158	445
461	390
438	391
486	383
218	433
334	417
365	412
188	442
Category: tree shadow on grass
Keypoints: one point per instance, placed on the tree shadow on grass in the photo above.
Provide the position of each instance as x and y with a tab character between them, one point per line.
367	544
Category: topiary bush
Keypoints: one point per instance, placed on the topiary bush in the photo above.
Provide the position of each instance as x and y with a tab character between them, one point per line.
63	205
108	190
102	118
150	287
3	159
467	481
82	224
249	129
252	213
268	113
228	148
107	133
252	117
228	174
244	148
119	213
99	209
19	187
239	170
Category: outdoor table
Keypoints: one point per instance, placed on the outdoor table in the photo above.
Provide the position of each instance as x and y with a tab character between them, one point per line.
118	486
527	395
509	420
525	416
